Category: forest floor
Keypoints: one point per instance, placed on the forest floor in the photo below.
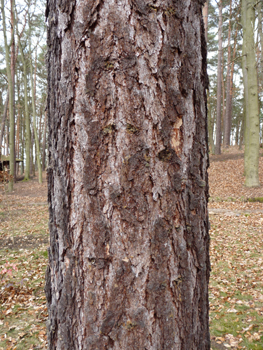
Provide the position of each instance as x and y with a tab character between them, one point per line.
236	252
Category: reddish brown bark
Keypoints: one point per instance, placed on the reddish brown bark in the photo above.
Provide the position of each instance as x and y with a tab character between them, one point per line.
205	18
129	262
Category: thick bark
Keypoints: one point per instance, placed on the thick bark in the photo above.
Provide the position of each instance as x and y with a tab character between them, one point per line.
129	261
251	95
219	81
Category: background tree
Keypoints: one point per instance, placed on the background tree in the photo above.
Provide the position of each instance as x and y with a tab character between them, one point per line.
33	92
28	105
227	122
250	94
219	81
231	64
10	61
129	263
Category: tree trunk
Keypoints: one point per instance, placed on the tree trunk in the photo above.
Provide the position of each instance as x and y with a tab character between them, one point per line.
40	127
7	132
3	121
242	131
44	143
18	131
251	95
231	92
27	115
205	18
10	70
12	140
219	82
228	116
260	32
223	95
32	164
23	145
37	149
26	106
129	261
210	121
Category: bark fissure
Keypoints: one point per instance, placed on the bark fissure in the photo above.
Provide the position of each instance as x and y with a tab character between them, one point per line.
127	176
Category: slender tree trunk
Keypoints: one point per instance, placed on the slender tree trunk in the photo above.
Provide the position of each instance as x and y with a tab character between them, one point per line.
32	164
260	62
231	93
228	117
1	103
9	72
3	121
251	95
18	131
27	114
7	132
40	127
23	145
129	262
237	134
12	120
219	82
205	18
34	108
260	32
242	131
210	125
223	95
44	143
17	136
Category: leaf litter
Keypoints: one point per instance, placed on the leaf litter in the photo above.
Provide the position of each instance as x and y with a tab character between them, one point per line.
236	283
236	253
23	261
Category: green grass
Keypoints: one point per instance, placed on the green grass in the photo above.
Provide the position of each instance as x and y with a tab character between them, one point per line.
256	199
